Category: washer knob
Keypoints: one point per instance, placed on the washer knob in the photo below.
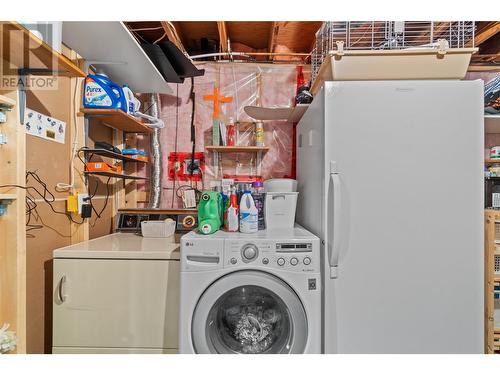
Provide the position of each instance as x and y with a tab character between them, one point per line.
233	260
249	252
281	261
307	261
294	261
265	261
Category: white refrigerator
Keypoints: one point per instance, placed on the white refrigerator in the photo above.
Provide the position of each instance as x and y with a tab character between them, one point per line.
390	175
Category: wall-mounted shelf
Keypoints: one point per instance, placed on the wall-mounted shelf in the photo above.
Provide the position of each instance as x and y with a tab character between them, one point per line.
290	114
492	124
43	59
116	175
8	197
110	45
7	102
116	119
492	161
111	154
235	149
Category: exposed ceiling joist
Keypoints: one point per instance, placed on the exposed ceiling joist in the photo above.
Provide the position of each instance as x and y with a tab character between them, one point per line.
172	35
487	32
223	37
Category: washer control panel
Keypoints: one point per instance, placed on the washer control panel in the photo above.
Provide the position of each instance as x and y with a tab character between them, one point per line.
299	256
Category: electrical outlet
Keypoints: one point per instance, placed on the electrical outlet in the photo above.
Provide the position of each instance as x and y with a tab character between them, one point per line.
3	139
82	199
72	204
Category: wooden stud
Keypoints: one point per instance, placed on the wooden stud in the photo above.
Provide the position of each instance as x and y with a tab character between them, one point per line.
223	37
172	35
79	232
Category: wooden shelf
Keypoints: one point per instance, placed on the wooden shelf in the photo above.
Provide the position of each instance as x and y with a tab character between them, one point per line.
117	119
8	197
297	112
492	124
290	114
116	175
491	161
7	102
228	149
111	154
41	56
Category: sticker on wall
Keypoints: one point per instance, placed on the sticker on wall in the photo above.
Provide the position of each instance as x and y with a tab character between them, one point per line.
44	127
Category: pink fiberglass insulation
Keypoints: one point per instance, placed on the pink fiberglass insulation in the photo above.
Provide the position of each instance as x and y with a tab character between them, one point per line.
271	85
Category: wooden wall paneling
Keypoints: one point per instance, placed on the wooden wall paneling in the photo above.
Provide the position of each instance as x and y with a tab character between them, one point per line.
51	160
12	227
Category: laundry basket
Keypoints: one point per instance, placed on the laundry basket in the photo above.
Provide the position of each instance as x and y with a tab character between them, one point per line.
158	228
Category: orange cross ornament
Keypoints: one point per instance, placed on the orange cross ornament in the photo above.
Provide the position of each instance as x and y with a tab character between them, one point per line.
218	100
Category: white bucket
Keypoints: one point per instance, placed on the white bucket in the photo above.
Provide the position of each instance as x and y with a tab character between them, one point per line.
280	209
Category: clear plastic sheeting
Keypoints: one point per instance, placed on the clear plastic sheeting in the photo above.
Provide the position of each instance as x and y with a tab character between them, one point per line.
249	320
270	85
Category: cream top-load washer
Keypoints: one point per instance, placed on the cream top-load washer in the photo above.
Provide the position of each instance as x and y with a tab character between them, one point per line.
116	294
250	293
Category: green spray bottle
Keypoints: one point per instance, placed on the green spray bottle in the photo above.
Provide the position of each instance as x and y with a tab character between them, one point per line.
210	212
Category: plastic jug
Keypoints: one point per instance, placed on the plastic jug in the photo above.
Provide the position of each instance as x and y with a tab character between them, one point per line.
210	212
249	215
100	92
133	104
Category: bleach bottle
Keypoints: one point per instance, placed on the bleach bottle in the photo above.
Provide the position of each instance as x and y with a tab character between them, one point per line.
249	215
102	93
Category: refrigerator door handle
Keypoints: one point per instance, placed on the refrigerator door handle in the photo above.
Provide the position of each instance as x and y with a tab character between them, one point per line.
335	247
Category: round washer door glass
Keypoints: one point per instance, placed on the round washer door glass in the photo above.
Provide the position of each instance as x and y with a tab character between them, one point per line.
249	312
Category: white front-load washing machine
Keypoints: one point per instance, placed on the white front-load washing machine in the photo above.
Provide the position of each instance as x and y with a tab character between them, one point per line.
250	293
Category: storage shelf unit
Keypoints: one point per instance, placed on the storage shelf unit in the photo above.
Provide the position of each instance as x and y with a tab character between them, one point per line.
117	119
116	175
46	61
236	149
111	154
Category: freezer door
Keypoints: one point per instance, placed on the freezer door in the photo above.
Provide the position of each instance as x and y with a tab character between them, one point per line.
409	248
115	303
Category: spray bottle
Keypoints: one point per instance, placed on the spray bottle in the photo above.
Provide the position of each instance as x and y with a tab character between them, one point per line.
232	215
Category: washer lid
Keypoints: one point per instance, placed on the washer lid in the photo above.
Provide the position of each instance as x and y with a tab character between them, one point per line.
121	246
249	312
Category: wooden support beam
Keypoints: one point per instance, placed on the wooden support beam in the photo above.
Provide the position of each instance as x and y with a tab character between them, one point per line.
483	68
273	36
223	37
487	32
172	34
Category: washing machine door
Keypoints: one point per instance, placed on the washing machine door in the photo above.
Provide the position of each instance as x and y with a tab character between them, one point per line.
249	312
